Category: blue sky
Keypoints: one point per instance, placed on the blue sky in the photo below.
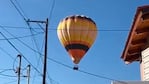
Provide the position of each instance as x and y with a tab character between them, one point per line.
113	19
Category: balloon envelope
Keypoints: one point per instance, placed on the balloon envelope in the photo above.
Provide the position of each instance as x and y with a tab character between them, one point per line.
77	34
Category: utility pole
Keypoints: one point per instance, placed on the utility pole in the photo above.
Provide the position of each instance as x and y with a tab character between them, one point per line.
19	69
45	56
45	49
28	74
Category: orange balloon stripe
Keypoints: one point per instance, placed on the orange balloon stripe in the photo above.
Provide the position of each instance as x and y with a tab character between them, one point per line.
76	55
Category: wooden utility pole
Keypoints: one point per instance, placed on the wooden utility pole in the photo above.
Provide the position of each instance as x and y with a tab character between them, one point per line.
19	69
28	74
45	49
45	54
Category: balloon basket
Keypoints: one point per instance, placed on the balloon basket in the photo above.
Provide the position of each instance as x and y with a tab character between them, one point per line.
75	67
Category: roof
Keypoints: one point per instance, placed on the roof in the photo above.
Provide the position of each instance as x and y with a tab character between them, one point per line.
138	38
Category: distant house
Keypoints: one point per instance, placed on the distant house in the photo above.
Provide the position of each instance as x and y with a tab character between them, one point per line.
137	44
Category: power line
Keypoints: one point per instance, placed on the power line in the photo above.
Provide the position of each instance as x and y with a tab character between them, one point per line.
51	10
27	17
80	70
11	82
7	53
22	14
40	26
83	30
102	29
20	53
14	64
7	75
28	47
9	42
100	76
4	70
36	45
20	41
27	24
21	8
15	27
53	4
34	39
88	73
23	36
18	10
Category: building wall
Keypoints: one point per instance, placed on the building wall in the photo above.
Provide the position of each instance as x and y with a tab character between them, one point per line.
144	66
130	82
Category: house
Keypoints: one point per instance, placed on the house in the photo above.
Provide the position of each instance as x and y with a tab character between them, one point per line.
137	44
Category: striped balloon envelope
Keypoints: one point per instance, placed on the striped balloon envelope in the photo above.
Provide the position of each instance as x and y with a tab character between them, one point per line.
77	33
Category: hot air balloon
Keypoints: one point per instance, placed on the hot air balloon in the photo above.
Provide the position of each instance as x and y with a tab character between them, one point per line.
77	33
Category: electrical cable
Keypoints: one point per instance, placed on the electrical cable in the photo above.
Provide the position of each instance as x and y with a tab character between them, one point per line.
88	73
4	70
60	63
7	75
36	45
14	64
51	15
39	58
11	82
27	46
20	41
18	10
34	41
100	76
21	13
21	8
23	56
20	53
102	29
40	27
14	27
71	67
23	36
7	53
10	42
28	24
81	70
51	10
25	21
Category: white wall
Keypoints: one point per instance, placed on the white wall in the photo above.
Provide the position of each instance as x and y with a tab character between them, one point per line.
145	65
